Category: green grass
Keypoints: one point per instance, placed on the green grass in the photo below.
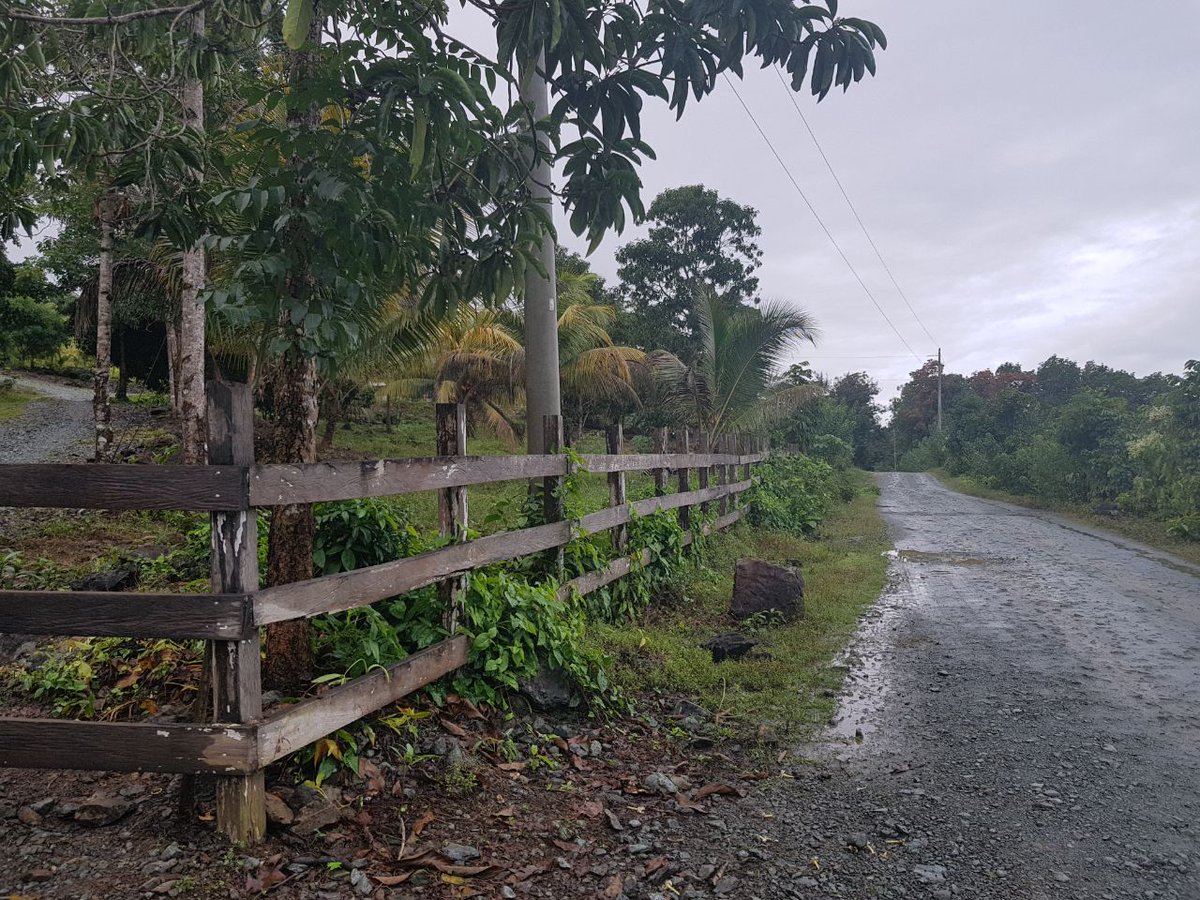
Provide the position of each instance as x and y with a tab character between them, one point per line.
491	507
13	402
1144	531
791	686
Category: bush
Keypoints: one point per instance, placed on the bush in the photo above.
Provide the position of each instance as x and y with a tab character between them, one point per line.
30	329
517	629
794	493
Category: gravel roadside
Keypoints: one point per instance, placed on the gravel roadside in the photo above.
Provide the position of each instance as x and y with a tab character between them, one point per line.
1020	723
56	429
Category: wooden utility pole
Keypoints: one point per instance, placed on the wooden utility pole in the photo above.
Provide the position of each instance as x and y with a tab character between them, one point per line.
542	393
939	390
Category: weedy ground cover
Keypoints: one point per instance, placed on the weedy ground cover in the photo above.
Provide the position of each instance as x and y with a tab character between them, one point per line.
788	682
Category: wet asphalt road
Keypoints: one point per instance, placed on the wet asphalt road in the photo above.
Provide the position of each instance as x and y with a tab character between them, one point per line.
1022	721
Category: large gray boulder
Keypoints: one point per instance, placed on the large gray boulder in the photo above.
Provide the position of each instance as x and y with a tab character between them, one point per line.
760	586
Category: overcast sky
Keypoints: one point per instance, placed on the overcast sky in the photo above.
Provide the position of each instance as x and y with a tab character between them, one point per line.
1031	175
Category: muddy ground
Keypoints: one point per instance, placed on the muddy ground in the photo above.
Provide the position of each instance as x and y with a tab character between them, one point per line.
1020	722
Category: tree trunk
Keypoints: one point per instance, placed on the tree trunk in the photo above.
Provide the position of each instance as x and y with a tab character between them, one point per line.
192	403
542	392
172	328
289	666
101	410
123	368
289	551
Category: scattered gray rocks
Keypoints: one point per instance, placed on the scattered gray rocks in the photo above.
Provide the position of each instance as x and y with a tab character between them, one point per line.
99	810
460	854
760	587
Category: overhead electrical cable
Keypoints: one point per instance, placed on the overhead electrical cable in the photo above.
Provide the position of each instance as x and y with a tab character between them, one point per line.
861	224
821	222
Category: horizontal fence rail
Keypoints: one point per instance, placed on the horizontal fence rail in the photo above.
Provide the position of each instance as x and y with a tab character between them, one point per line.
238	749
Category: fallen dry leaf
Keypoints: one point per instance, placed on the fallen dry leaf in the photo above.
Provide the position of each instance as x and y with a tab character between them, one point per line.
453	728
591	809
716	788
392	880
421	823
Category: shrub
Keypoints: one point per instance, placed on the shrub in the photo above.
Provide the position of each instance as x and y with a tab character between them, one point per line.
30	329
518	628
793	493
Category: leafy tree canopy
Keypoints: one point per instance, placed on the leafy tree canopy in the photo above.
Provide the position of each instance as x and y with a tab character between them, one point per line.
698	242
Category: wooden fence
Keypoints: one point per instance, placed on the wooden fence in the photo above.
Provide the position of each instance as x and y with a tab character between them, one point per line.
242	741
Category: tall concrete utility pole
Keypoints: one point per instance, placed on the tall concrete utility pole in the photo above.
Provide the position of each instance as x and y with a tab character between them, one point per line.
939	389
542	394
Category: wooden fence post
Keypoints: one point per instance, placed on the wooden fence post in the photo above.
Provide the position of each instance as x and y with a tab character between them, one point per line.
685	480
553	485
722	475
660	475
704	471
452	507
236	665
614	437
732	442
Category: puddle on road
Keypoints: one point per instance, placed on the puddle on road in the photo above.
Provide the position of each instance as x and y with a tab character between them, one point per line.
869	658
953	559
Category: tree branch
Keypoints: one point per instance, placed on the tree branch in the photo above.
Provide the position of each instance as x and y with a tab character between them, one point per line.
119	19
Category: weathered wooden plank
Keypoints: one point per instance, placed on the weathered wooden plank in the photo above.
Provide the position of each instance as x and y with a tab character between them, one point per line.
276	485
334	593
660	472
100	614
614	516
297	726
451	436
685	478
640	462
199	488
593	581
236	666
614	437
127	747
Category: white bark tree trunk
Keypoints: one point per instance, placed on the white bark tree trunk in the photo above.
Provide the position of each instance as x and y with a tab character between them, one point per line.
101	410
192	402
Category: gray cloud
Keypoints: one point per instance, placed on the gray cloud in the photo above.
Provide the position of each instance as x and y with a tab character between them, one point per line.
1032	180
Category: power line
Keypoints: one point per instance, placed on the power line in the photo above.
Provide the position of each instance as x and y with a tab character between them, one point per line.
821	222
861	224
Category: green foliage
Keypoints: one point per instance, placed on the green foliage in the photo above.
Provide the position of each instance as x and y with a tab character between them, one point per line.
108	678
697	239
658	534
30	329
793	493
357	533
1064	434
518	628
1185	528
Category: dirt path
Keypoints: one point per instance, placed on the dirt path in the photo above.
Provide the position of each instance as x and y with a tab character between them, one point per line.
55	429
1022	722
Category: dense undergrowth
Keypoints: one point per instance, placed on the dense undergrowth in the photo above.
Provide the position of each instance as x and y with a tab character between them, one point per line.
641	632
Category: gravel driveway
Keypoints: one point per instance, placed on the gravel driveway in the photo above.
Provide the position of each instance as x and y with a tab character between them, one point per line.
56	429
1022	721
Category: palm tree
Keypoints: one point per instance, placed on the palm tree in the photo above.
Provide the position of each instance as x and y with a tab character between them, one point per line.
734	382
469	358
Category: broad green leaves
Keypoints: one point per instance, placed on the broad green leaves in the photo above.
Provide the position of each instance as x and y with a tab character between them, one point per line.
297	21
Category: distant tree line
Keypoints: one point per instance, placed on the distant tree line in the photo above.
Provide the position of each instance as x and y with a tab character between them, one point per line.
1063	432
